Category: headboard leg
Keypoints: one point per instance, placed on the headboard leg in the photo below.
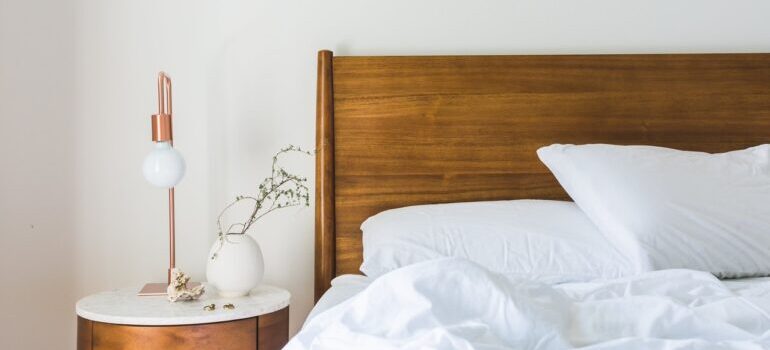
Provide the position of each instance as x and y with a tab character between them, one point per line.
324	189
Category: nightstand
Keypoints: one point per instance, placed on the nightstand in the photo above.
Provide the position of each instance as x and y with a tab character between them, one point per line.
122	320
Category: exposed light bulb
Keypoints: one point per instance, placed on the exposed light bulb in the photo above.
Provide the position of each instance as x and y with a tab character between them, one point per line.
164	166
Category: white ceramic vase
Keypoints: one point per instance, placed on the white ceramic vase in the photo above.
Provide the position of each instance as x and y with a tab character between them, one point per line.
238	266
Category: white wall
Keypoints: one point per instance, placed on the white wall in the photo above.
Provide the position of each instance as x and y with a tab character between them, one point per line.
36	174
244	74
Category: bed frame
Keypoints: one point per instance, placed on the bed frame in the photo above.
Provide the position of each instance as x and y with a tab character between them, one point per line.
398	131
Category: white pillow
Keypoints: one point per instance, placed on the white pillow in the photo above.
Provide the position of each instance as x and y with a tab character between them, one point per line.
551	241
674	209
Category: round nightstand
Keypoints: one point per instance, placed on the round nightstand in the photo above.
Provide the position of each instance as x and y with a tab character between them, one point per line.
122	320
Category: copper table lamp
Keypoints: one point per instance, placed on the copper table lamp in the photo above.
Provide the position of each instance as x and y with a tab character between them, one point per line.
164	167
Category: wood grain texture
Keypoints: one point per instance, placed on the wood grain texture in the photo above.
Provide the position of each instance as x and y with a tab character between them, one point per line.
437	129
324	177
84	334
266	332
233	335
273	330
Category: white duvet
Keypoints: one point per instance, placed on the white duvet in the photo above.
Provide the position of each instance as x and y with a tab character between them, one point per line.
456	304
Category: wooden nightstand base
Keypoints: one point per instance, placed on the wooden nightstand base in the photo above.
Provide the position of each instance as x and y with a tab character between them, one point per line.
265	332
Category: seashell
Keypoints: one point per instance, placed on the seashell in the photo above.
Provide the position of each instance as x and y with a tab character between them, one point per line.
178	289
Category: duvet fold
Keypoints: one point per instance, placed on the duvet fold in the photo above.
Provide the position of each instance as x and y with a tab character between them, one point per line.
455	304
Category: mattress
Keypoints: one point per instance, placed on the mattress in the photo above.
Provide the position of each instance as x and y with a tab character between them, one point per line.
346	286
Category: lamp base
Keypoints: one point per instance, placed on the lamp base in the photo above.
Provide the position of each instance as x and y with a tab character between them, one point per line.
153	289
159	289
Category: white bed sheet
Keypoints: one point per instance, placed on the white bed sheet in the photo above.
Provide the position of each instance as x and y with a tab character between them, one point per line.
343	288
346	286
426	306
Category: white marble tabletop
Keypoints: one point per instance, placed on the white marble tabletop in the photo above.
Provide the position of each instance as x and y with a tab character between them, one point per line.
123	306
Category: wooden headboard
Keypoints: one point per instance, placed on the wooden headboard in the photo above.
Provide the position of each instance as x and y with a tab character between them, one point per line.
399	131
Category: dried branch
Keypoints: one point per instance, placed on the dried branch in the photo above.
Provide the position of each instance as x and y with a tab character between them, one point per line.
279	190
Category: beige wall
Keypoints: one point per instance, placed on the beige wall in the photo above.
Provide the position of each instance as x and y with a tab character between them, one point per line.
244	75
37	163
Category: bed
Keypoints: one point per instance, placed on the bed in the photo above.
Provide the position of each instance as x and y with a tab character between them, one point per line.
410	130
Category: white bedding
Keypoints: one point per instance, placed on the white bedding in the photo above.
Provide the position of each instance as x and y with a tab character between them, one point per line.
550	241
343	288
667	208
455	304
